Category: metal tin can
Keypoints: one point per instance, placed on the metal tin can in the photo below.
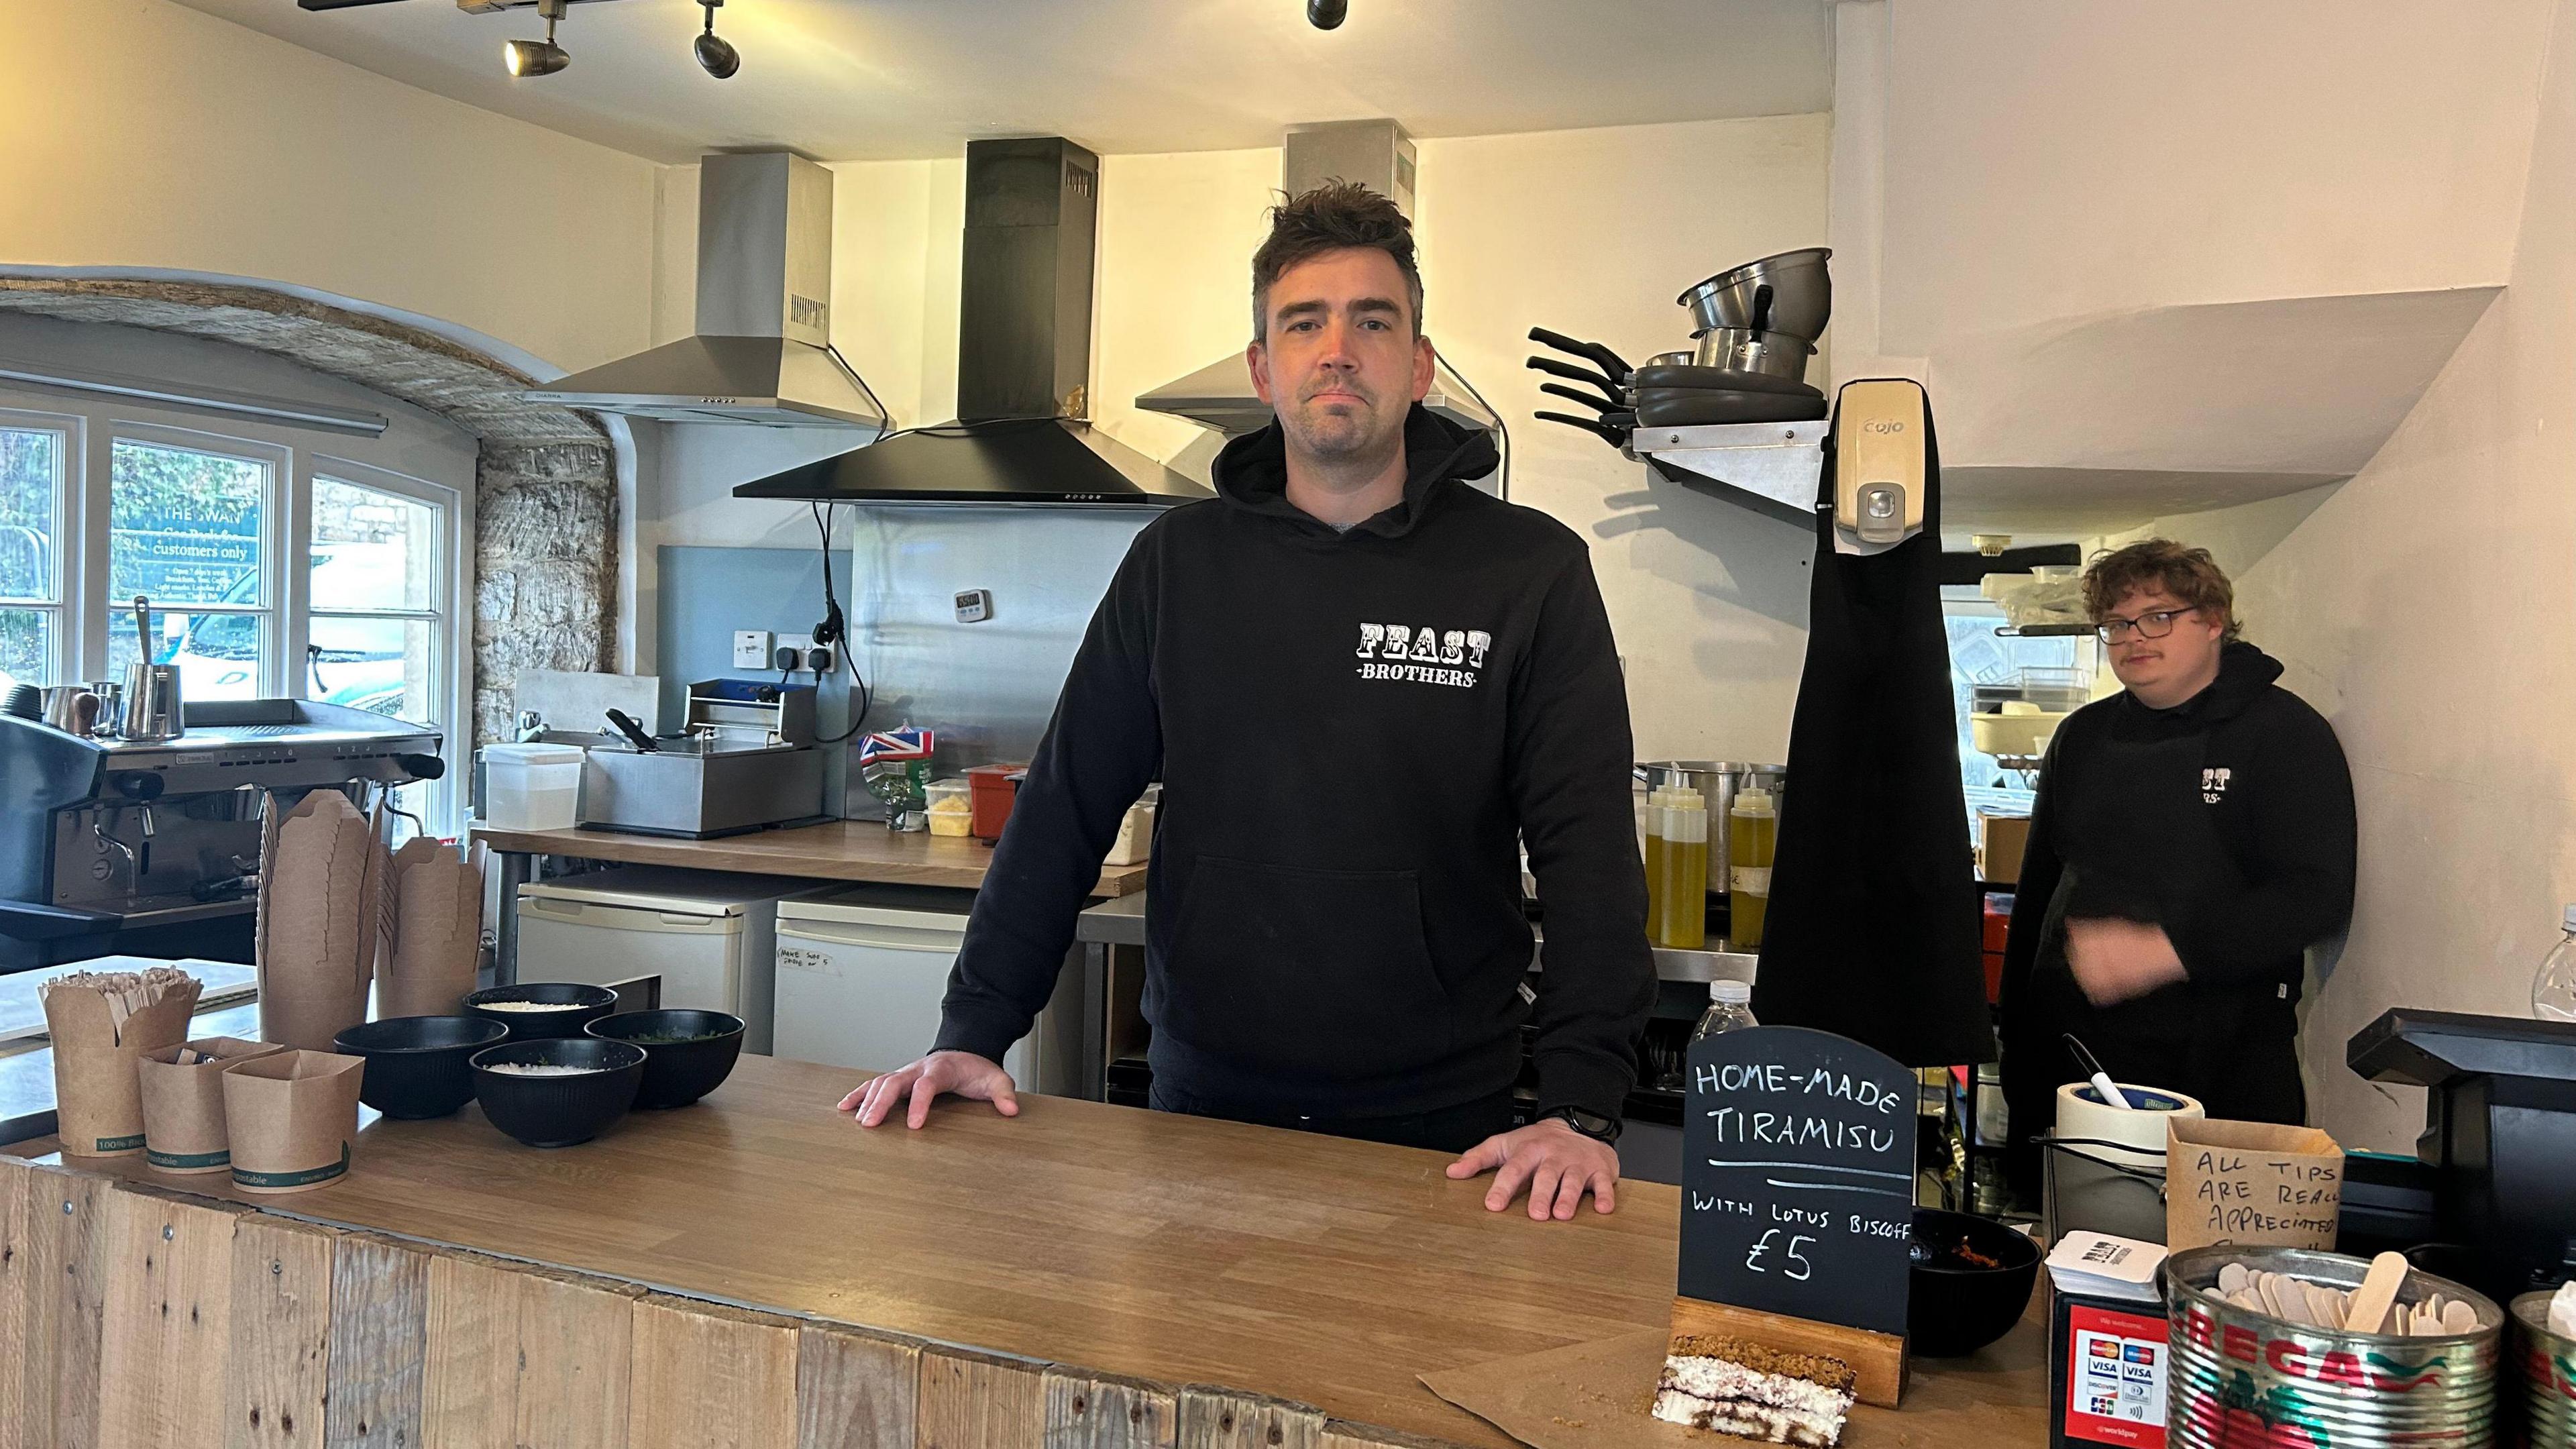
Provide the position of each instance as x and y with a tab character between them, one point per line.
2248	1380
2548	1374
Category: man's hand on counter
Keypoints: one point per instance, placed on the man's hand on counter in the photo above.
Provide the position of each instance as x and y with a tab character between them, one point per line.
2114	960
962	1073
1556	1163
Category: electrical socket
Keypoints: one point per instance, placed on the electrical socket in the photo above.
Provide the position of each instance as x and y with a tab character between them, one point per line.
751	649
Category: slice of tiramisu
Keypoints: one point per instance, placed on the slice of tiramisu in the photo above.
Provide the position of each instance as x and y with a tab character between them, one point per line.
1741	1388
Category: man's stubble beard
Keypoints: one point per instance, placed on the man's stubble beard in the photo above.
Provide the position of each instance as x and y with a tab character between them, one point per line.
1342	441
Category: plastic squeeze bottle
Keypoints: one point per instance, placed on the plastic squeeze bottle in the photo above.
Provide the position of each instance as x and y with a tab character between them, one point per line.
1683	915
1752	833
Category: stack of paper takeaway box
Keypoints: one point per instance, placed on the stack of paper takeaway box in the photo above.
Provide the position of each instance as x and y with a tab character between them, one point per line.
438	930
321	916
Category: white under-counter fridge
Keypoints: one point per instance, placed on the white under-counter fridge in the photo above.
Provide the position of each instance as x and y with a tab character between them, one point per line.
860	977
661	936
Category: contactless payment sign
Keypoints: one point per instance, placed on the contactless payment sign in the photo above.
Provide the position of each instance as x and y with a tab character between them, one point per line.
2115	1378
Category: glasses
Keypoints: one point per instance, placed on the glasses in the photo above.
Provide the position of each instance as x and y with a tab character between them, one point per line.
2155	625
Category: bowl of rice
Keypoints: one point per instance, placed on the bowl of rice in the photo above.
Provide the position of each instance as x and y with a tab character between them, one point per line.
556	1091
536	1010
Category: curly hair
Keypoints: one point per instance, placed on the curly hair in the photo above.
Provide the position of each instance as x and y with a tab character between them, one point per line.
2189	574
1332	217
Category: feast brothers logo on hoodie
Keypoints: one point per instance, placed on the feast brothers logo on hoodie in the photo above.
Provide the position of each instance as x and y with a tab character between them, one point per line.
1403	652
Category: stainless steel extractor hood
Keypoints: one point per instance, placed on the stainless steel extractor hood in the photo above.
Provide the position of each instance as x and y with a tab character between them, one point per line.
762	352
1022	433
1379	156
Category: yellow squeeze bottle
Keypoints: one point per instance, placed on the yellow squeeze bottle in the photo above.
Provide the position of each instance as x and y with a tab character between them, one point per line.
1684	915
1655	865
1752	834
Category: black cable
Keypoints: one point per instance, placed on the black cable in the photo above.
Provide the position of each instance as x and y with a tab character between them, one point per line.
837	625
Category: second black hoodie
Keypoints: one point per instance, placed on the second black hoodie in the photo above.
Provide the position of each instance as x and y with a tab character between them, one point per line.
1354	730
2228	821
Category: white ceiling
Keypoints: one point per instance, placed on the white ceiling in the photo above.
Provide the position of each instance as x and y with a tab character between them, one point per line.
845	80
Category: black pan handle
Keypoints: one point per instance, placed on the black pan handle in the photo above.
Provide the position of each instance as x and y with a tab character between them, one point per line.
1572	373
1598	405
1610	361
1615	437
634	732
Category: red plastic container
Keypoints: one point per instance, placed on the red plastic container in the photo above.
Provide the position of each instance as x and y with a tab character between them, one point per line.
990	791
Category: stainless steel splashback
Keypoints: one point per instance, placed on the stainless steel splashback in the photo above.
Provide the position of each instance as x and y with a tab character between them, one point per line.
987	688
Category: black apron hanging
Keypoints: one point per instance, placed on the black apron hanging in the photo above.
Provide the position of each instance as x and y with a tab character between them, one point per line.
1873	930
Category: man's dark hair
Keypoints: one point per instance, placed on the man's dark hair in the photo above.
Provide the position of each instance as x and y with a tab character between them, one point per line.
2189	574
1333	217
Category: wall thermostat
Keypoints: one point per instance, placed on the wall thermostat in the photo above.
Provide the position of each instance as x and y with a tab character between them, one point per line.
974	606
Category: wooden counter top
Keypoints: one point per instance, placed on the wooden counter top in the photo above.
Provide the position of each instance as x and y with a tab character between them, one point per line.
851	850
1125	1242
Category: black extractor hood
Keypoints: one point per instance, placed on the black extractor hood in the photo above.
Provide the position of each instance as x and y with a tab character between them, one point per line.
1022	434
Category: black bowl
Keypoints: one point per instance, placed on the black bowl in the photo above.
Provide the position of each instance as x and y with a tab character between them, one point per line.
416	1065
1957	1306
558	1111
677	1073
590	1003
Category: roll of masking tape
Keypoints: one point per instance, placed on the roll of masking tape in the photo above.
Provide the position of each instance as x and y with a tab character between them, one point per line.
2083	1115
2106	1173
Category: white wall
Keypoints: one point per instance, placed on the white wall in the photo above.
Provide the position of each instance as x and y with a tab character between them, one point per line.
1588	232
144	135
2428	608
2197	250
2047	160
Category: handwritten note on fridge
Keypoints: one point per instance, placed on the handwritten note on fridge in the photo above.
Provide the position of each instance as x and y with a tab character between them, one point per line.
1798	1177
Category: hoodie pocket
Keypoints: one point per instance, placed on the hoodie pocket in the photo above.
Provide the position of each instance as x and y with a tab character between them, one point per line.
1307	973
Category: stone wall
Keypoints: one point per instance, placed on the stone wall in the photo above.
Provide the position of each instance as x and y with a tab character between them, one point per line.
545	492
544	517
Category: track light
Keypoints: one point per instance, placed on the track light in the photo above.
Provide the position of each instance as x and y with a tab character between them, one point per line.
1327	14
715	53
537	57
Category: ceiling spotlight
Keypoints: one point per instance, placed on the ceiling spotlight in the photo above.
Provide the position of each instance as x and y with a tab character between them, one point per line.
537	57
715	53
1327	14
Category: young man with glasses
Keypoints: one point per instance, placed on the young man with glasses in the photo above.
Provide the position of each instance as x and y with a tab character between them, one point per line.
2192	837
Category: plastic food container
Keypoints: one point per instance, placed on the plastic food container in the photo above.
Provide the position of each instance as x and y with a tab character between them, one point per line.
531	787
993	788
2016	731
951	806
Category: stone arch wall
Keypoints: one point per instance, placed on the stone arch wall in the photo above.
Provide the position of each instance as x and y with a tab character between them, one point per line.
545	488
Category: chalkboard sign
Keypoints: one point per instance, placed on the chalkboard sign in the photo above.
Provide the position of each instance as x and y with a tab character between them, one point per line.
1798	1177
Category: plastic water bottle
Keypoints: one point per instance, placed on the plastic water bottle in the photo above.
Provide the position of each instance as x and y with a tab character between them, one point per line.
2553	991
1730	1007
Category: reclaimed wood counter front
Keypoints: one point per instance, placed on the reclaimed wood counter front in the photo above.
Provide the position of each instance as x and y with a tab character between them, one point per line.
851	850
1144	1251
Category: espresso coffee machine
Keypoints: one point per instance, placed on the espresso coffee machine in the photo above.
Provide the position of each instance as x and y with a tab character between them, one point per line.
151	847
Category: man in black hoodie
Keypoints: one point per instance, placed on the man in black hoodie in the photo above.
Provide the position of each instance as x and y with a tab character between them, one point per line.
2192	838
1364	685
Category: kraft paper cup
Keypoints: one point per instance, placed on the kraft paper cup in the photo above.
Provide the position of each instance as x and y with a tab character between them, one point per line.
183	1103
293	1119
